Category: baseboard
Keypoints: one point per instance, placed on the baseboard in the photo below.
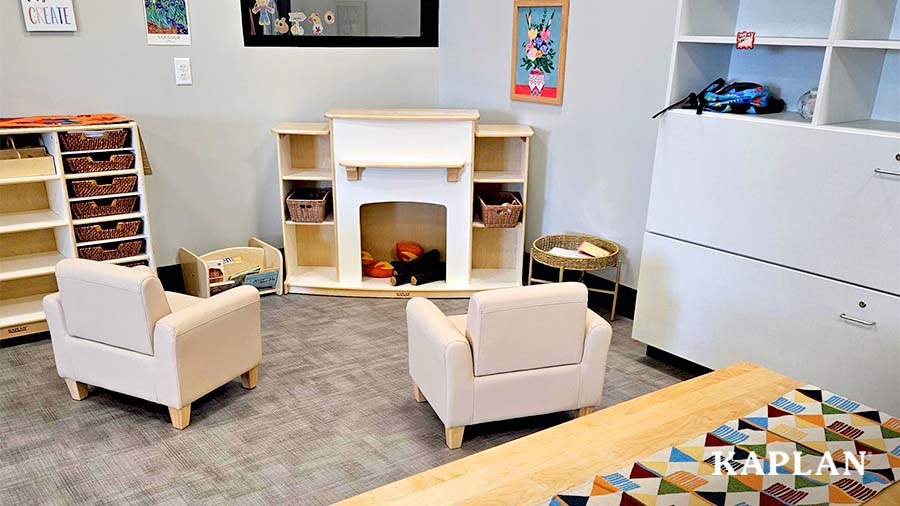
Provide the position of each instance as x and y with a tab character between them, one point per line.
676	361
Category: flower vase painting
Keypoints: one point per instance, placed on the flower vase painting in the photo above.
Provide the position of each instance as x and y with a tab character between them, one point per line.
539	50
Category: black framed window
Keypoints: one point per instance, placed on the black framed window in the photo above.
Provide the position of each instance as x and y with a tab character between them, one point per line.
340	23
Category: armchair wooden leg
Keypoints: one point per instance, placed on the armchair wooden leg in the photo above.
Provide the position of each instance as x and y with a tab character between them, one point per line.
181	418
250	378
454	436
77	390
585	411
417	394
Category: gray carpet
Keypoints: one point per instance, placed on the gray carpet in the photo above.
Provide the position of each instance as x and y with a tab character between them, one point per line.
333	416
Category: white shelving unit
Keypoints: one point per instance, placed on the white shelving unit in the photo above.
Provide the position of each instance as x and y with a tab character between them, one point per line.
37	227
499	161
848	49
775	239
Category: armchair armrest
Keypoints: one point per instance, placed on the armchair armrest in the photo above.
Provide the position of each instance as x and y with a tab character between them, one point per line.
440	362
205	345
598	335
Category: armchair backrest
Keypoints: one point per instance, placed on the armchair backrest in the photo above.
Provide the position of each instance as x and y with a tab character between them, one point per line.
111	304
532	327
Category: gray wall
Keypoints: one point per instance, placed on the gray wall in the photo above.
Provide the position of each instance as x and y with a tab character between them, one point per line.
213	153
592	158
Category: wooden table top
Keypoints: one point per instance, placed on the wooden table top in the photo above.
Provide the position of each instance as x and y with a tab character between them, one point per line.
534	468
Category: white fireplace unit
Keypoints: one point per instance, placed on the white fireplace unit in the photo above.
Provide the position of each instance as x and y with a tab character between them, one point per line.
406	175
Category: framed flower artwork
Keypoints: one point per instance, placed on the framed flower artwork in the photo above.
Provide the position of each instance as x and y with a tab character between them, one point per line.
539	50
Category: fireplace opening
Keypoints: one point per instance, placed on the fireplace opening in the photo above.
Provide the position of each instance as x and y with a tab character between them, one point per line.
384	224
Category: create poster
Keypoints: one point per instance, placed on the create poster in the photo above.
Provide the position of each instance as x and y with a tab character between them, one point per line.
167	22
49	15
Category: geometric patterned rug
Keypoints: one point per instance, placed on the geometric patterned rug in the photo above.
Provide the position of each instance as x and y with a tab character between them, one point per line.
808	422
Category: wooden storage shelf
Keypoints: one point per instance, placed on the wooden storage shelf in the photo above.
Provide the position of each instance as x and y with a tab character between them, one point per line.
26	266
521	131
96	151
498	176
85	175
323	281
307	175
136	258
107	241
477	223
30	220
27	179
329	221
869	21
101	197
37	228
20	311
302	129
101	219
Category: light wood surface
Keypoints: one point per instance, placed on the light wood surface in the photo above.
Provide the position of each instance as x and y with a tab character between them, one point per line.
405	114
503	131
454	436
77	390
250	378
534	468
294	128
181	418
417	394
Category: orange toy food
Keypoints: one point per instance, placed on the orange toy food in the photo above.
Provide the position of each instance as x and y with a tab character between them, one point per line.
367	260
408	251
379	270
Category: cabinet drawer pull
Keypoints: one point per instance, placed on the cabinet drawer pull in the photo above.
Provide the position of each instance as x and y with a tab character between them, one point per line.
857	320
887	172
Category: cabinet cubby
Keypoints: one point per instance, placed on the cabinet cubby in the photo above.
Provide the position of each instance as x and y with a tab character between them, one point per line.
768	18
848	49
861	90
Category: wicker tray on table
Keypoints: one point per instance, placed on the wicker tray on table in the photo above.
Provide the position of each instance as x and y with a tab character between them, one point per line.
540	252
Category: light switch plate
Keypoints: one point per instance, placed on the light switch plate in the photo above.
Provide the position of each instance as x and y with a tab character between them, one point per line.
183	76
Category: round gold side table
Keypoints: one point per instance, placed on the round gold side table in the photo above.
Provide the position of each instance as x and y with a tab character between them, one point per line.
540	252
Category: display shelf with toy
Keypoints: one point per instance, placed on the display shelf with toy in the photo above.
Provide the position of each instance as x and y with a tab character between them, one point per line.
258	264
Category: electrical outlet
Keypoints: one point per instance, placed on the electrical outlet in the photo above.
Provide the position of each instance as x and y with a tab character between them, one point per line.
183	75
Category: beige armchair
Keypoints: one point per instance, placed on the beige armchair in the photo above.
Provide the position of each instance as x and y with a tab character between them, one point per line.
519	352
115	328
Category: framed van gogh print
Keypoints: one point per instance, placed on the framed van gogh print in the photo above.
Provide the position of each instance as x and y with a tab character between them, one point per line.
539	50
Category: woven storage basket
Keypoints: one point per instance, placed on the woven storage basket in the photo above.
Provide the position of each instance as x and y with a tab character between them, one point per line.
500	210
542	246
99	187
112	252
80	141
97	232
308	205
86	164
95	208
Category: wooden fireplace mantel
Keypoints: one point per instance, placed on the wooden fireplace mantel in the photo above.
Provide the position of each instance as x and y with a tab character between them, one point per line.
411	201
356	167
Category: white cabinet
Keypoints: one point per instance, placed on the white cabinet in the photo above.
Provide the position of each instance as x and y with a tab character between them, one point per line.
763	230
716	309
790	195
